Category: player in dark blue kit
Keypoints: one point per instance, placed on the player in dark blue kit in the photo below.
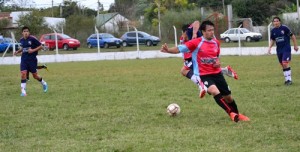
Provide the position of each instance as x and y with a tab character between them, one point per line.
29	48
281	34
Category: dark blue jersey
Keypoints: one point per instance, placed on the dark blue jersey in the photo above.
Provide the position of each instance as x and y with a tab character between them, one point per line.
281	36
189	32
30	42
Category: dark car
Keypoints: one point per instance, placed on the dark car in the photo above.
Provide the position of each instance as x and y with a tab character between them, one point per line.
129	38
63	41
7	42
106	40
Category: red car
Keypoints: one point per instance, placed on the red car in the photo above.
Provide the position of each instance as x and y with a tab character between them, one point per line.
64	41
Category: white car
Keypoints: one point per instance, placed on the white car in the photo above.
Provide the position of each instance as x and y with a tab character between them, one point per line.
233	35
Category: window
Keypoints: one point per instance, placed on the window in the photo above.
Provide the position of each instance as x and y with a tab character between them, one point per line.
53	37
131	34
47	37
140	35
231	31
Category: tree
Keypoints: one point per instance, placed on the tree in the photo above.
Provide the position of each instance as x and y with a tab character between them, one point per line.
216	5
35	22
70	8
177	19
22	3
79	25
259	10
3	23
255	9
125	8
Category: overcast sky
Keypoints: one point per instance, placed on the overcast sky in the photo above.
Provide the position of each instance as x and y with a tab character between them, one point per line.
87	3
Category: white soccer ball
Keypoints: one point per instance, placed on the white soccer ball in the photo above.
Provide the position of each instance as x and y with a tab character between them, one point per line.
173	109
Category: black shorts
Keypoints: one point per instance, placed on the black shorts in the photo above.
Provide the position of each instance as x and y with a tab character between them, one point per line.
218	80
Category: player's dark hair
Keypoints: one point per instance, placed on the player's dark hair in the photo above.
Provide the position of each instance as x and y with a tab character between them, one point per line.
276	17
185	27
205	23
25	28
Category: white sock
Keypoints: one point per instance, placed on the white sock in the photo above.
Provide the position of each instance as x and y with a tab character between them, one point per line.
43	82
285	75
23	87
194	79
225	71
289	75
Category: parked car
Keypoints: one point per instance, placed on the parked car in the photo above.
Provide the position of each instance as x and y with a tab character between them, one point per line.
64	41
233	35
7	42
106	40
129	38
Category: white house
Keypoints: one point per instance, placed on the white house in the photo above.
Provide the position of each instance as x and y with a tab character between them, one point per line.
16	16
111	22
55	23
295	16
52	22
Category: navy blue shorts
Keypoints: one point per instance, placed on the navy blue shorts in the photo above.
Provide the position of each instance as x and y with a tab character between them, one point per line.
29	65
284	56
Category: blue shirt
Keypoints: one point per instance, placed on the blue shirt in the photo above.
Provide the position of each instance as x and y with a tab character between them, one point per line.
30	42
281	36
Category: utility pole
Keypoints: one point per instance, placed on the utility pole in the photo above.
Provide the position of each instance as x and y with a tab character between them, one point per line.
158	6
52	8
224	8
298	11
98	9
61	9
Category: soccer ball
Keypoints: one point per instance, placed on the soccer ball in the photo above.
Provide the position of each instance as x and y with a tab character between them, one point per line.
173	109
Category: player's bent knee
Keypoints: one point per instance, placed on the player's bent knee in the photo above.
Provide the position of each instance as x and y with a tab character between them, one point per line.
285	64
213	90
23	74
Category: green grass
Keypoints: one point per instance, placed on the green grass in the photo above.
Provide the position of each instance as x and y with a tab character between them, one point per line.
121	106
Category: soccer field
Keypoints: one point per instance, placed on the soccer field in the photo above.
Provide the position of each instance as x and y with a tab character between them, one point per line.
120	106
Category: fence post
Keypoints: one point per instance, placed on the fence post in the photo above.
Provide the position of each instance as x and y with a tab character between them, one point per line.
175	35
239	33
137	43
98	44
56	43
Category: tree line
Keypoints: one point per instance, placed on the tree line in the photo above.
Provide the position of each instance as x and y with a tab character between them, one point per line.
80	20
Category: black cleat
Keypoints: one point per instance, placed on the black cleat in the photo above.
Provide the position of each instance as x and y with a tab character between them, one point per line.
288	82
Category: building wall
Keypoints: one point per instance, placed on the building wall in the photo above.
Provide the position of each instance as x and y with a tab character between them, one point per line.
112	26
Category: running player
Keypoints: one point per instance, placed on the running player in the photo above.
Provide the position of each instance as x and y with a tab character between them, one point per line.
191	31
29	48
205	54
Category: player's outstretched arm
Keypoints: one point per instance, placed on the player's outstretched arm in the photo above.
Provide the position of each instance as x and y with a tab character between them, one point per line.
166	49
